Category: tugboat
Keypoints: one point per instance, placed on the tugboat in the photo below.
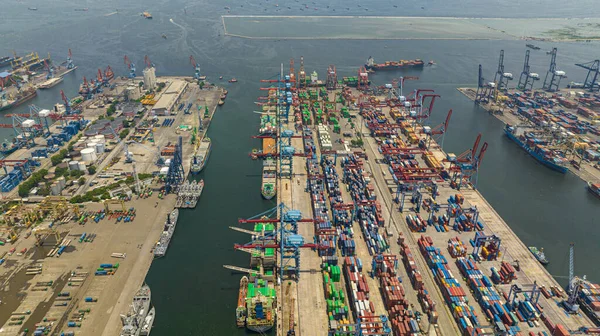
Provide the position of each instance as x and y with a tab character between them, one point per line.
233	80
221	102
594	188
241	312
539	255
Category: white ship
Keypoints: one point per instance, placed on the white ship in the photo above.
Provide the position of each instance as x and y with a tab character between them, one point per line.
148	321
165	237
50	83
134	321
201	156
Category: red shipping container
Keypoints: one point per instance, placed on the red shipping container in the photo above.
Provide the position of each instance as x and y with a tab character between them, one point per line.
560	330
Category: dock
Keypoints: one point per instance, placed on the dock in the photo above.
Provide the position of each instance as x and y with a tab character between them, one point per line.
56	249
361	153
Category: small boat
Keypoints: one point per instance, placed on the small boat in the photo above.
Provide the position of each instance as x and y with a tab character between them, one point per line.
202	78
220	77
223	97
594	188
81	9
431	63
221	102
233	80
32	8
532	46
164	36
225	92
539	255
147	15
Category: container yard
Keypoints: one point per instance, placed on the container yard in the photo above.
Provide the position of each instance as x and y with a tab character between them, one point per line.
364	186
559	127
91	185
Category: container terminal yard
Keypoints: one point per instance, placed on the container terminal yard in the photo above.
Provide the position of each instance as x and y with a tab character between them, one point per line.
378	231
89	192
558	127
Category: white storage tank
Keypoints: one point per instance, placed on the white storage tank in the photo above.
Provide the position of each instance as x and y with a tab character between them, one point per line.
55	189
91	145
99	148
61	182
100	138
73	165
81	165
88	155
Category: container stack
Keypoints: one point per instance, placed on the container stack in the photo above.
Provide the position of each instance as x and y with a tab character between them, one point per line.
452	292
416	223
489	250
432	161
106	269
416	279
506	274
456	248
357	287
336	305
368	209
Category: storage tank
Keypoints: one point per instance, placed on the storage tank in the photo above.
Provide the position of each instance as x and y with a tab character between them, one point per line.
81	165
73	165
88	155
100	138
91	145
99	148
55	189
61	182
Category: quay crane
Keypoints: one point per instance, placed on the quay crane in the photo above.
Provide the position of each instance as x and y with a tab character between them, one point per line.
437	133
591	79
148	63
501	78
465	166
49	69
301	74
553	76
130	65
484	90
527	77
70	64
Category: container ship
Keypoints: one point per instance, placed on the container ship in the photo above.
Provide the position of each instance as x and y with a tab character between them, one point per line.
50	83
535	147
268	124
5	61
134	323
240	312
268	187
201	155
165	237
539	255
589	300
392	65
594	188
20	98
188	194
260	301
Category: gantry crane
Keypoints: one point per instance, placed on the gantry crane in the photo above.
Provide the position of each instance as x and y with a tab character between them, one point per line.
148	63
108	74
331	81
501	78
437	133
591	79
301	74
465	167
70	64
130	65
527	77
553	76
49	69
292	71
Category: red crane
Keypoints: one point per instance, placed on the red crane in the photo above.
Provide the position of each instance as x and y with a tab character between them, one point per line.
127	62
99	76
193	61
147	61
108	73
276	246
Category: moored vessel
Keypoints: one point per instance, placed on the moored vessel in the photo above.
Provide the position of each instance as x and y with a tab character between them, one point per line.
594	188
260	301
50	83
133	322
147	323
537	148
165	237
189	193
240	312
539	255
268	187
14	101
201	155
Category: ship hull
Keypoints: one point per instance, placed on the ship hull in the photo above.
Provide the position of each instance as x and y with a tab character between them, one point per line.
260	329
267	197
48	84
196	169
393	67
540	159
8	151
591	189
19	101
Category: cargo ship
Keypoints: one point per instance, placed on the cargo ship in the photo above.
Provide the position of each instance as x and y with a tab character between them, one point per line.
240	312
201	155
165	237
532	46
535	148
5	61
594	188
260	310
50	83
21	97
589	300
393	65
188	194
7	148
268	124
139	311
539	255
29	62
268	187
147	15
